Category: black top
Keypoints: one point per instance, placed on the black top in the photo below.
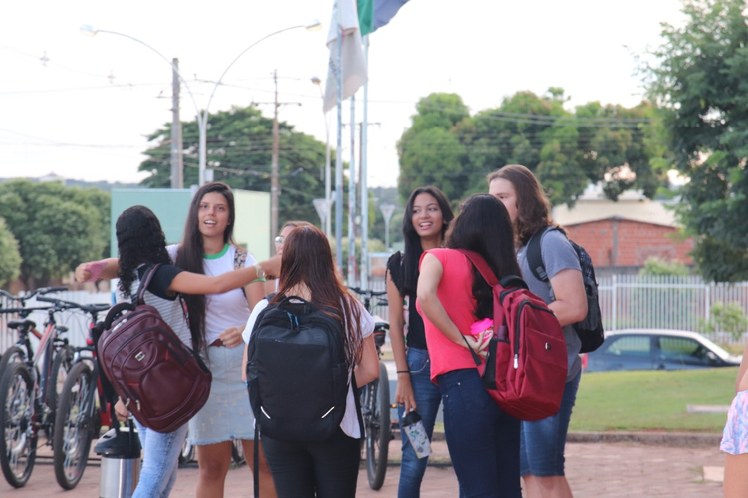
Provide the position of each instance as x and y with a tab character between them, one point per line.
160	281
415	336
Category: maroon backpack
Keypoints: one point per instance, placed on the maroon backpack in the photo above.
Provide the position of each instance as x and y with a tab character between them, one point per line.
525	371
162	381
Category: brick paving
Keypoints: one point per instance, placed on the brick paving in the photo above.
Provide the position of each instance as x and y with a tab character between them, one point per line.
640	466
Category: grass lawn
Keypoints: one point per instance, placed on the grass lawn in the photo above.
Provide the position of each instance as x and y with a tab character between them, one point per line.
652	400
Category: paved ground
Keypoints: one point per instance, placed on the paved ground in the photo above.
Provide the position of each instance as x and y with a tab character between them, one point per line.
614	466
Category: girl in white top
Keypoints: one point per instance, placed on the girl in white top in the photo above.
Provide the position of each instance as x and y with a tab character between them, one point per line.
328	468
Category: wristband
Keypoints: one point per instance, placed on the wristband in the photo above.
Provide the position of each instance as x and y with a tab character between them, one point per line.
403	371
260	272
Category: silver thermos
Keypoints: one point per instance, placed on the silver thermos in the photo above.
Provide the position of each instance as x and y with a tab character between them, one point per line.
120	462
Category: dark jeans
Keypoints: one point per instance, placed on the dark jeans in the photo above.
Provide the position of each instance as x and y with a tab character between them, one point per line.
326	470
483	441
427	398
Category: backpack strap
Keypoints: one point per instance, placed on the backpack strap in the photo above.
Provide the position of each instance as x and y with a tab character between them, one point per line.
483	268
240	257
535	253
145	282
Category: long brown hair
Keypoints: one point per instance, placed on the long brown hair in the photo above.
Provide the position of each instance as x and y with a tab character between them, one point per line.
533	207
307	261
190	252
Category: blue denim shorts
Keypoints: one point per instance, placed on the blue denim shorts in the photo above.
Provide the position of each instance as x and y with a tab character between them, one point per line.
226	415
542	442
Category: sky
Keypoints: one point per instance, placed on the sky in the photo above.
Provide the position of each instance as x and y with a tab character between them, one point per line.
81	106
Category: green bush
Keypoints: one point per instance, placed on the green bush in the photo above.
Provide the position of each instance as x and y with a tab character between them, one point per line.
726	318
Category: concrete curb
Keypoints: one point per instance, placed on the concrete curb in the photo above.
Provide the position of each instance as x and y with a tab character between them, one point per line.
665	438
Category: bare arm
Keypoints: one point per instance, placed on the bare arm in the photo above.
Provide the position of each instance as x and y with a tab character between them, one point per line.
104	269
368	368
570	305
195	283
404	393
432	308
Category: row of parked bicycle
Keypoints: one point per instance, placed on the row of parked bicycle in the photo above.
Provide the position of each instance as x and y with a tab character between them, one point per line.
51	391
52	394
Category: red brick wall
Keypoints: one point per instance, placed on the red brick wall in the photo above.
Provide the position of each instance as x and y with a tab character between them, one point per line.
617	242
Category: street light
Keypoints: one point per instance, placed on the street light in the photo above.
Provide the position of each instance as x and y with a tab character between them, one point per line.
201	116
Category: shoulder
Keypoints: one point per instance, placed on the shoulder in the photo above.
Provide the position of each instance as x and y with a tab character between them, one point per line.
558	252
161	280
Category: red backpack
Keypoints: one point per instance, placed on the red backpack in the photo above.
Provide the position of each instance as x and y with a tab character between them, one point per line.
525	371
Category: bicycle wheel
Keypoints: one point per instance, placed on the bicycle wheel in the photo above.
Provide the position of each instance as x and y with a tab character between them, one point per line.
187	454
237	452
12	354
18	441
379	432
74	426
60	367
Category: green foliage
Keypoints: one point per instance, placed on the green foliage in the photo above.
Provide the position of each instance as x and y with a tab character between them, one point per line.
239	150
701	85
659	267
728	317
10	258
56	227
652	400
447	147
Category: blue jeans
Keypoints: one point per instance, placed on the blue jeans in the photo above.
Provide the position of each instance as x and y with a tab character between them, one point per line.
483	440
160	459
427	398
544	441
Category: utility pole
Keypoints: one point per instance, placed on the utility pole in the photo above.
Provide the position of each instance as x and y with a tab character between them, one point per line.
274	173
177	164
274	163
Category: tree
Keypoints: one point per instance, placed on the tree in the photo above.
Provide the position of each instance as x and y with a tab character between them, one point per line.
239	151
430	150
56	227
10	258
700	82
619	147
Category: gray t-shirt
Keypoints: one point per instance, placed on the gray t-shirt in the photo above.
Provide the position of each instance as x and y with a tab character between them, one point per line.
558	254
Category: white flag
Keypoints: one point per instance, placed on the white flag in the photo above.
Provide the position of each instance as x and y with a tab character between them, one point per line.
352	72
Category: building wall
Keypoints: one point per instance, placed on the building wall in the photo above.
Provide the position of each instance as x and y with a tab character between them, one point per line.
252	229
616	242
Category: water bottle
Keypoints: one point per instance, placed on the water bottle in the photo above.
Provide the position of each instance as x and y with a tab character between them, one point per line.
416	433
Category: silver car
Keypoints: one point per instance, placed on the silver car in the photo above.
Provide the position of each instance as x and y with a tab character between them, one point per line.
657	349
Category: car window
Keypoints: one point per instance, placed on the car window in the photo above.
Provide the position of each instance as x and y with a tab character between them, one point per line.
631	345
682	350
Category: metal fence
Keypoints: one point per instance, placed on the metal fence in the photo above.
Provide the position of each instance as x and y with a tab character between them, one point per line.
626	301
685	303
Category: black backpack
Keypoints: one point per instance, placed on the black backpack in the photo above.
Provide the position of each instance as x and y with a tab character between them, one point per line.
590	330
297	372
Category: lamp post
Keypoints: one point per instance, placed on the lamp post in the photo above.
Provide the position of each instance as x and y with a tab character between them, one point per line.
201	117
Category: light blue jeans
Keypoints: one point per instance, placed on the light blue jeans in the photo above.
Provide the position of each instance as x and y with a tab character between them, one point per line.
544	441
160	459
428	397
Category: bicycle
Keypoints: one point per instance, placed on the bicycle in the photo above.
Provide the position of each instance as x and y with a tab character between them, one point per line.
375	402
80	414
28	397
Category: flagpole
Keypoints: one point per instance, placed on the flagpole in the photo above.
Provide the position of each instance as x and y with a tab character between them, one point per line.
338	156
352	199
363	180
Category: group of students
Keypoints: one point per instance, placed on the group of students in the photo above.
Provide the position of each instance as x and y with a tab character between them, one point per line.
224	289
443	296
